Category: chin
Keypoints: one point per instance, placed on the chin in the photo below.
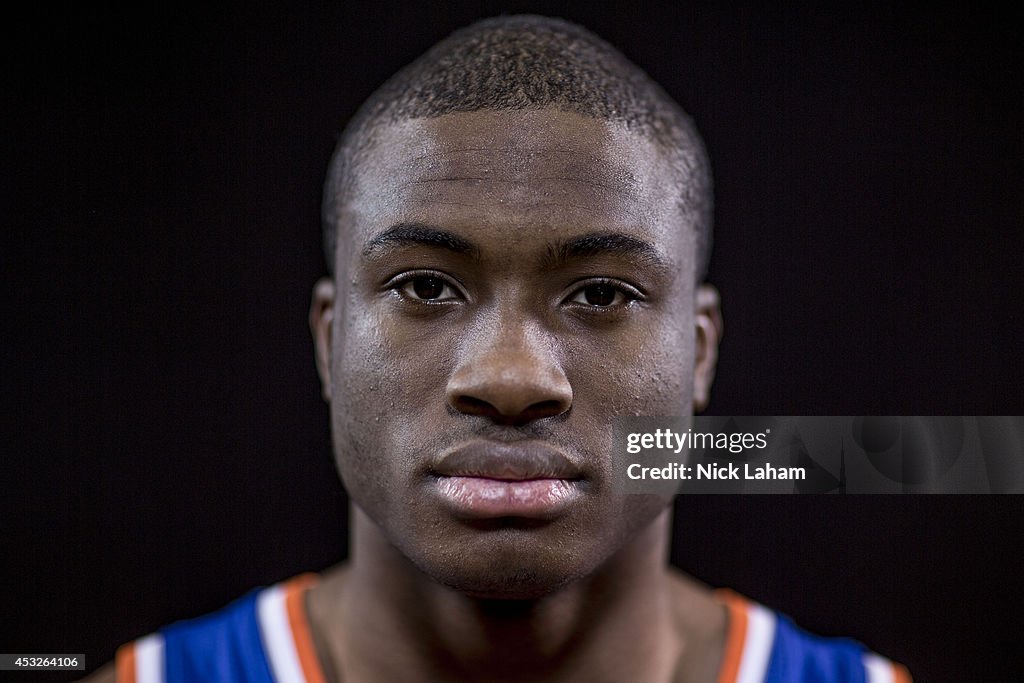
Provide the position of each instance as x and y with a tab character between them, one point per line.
506	583
506	565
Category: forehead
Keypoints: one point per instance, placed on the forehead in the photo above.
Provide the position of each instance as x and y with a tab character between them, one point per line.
502	179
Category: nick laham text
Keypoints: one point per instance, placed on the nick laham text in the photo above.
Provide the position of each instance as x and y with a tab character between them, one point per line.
680	471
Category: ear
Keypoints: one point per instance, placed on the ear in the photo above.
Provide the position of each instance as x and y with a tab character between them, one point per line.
709	333
321	316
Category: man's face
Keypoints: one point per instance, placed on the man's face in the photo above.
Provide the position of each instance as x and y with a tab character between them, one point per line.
506	284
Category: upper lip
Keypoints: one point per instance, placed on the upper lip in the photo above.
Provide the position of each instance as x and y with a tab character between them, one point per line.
520	461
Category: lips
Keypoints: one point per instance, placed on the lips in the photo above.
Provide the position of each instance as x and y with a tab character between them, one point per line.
484	479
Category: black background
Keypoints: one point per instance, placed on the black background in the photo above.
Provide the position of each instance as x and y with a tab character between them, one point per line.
165	447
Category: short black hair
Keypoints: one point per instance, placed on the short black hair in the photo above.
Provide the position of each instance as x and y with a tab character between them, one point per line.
528	62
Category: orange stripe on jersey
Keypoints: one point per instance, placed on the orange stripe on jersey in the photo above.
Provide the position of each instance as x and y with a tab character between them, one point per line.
295	589
735	637
124	663
900	674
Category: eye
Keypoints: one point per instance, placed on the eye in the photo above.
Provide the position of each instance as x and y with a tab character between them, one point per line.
605	294
598	295
426	287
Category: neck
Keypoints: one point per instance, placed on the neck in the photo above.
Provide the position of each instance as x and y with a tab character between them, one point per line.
620	618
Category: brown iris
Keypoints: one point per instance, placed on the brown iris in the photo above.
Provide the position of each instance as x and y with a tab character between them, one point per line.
428	287
599	295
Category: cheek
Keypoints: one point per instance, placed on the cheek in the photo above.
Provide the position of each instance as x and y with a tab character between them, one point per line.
379	362
670	381
359	377
641	370
387	387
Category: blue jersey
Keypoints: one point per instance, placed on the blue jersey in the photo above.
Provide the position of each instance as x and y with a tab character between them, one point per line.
765	647
265	637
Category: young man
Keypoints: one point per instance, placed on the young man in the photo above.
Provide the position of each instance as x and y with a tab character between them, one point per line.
517	225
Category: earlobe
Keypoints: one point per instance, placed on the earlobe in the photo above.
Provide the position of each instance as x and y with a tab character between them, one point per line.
321	317
708	320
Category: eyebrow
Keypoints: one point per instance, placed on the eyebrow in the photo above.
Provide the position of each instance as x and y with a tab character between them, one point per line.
558	253
613	243
420	234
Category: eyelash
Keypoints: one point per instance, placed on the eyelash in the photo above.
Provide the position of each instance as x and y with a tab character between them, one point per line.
398	284
627	293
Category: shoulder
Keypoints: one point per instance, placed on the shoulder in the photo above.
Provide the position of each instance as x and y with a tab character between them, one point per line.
763	645
261	637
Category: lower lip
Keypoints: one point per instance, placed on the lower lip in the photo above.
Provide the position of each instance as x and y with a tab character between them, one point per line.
481	498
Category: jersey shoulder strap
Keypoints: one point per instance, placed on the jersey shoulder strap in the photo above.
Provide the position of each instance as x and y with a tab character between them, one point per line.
263	637
765	647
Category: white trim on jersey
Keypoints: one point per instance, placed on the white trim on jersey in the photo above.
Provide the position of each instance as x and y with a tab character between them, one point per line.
878	669
276	633
149	659
757	644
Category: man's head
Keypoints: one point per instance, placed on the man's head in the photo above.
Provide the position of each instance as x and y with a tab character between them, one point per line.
516	225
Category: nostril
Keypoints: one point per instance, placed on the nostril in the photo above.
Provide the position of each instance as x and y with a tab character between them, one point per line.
543	409
473	406
468	405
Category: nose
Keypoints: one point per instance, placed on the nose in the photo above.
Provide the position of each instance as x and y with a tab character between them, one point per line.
512	380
